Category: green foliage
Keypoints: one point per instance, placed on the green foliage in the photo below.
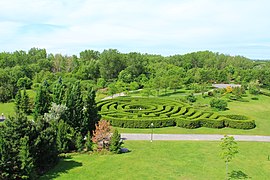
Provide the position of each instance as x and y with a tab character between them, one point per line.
219	104
27	162
228	150
25	103
63	138
116	142
141	112
24	82
42	101
91	116
191	98
79	142
89	142
16	160
254	87
74	103
58	92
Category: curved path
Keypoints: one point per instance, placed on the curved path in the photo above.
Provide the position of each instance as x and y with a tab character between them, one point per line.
192	137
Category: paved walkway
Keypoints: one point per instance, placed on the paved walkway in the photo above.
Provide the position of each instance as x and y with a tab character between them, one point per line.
193	137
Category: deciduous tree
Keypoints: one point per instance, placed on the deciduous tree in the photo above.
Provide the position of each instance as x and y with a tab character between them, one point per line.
228	150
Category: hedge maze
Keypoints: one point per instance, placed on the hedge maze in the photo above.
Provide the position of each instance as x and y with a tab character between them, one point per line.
140	112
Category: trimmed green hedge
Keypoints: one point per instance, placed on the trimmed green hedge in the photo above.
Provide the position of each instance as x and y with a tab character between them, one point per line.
129	112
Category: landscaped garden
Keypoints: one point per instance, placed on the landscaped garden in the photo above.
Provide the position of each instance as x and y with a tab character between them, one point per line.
141	112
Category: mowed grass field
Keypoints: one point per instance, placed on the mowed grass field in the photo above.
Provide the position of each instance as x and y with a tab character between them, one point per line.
185	160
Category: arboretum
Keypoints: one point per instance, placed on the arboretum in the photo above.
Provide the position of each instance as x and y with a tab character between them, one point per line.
63	116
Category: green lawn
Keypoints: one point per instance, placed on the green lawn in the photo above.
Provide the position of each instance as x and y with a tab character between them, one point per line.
167	160
7	109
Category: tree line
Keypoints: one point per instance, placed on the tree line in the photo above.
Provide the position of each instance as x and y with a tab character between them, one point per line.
128	71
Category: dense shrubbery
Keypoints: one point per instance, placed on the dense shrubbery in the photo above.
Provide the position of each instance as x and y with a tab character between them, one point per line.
219	104
141	112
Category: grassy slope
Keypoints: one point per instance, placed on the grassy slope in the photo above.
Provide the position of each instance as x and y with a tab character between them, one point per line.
166	160
255	109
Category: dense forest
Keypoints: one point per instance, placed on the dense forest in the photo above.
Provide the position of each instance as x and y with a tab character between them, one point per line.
125	71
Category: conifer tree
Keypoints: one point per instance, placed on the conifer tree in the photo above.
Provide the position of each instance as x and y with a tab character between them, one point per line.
62	138
27	164
42	101
58	92
10	141
116	142
25	102
18	101
45	146
79	142
74	103
89	142
91	116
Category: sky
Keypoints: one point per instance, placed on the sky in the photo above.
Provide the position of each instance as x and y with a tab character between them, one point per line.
166	27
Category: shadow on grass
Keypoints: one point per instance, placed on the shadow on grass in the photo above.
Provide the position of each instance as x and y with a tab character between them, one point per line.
62	167
238	175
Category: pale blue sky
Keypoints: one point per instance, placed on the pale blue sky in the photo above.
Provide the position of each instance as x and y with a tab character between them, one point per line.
167	27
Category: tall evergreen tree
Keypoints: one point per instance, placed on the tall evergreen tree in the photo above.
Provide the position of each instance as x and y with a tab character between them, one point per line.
58	92
10	141
45	146
89	142
25	102
27	164
63	136
42	101
91	116
79	142
74	103
116	142
18	101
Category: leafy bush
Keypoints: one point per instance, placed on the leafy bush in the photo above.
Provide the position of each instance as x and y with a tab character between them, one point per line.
219	104
191	98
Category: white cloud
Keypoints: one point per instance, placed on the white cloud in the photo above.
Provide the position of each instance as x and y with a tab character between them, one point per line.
165	27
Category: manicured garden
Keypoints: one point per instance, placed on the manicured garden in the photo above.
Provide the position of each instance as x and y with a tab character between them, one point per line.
167	160
254	109
141	112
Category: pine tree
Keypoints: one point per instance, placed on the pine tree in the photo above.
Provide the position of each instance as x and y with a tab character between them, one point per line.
91	116
74	103
116	142
25	102
79	142
18	101
58	92
10	141
45	146
89	142
42	101
27	164
62	138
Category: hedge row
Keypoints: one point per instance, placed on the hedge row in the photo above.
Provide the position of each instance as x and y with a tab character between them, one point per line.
215	123
132	123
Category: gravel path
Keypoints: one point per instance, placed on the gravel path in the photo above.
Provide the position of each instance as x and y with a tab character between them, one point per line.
193	137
